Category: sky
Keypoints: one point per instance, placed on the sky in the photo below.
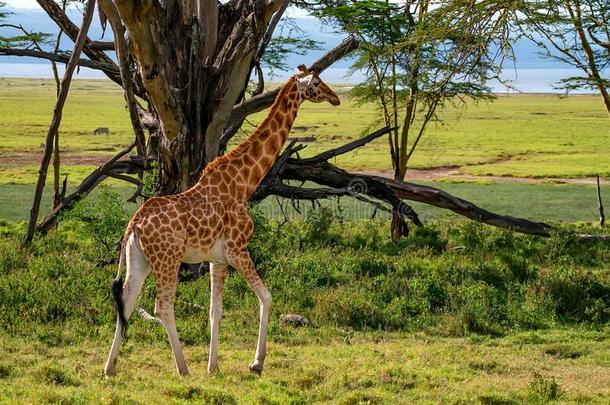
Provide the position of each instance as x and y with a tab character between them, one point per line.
32	4
21	3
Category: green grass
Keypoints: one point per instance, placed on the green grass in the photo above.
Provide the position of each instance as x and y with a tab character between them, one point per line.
313	367
538	202
520	135
454	313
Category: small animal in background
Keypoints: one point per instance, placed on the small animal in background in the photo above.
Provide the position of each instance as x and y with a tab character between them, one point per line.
101	131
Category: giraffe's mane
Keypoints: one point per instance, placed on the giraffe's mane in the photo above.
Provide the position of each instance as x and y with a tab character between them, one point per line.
252	137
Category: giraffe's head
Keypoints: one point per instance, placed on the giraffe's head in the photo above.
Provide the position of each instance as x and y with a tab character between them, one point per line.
312	88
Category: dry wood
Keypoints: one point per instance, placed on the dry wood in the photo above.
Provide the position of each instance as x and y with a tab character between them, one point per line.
600	205
320	171
122	51
52	132
85	187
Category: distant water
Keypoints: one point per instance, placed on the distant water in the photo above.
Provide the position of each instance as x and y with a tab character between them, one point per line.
525	80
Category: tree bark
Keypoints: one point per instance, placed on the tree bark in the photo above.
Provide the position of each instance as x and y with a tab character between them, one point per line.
600	205
52	132
194	58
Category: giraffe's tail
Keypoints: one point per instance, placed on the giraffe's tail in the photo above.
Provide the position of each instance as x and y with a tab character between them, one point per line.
117	287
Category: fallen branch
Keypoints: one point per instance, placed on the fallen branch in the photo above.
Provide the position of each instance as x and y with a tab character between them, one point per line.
348	147
85	187
341	182
148	317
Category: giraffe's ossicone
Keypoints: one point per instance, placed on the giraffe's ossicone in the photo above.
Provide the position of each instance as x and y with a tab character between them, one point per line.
209	222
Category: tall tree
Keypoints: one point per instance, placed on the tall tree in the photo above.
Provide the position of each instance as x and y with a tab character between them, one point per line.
417	57
575	32
178	86
189	62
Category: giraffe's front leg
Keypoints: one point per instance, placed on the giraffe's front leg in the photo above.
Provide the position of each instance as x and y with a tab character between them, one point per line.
243	263
218	275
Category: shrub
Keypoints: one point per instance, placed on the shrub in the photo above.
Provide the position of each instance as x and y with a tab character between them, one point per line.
318	223
103	219
543	390
479	307
353	277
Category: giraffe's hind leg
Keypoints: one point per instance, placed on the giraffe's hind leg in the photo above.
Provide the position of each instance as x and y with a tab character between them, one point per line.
137	270
164	310
240	259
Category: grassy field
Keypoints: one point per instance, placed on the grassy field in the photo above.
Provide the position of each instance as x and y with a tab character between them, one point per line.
523	135
539	202
453	314
456	313
307	367
519	135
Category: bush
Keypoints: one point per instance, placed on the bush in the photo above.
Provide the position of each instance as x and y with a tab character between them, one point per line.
318	223
103	219
450	278
543	390
479	307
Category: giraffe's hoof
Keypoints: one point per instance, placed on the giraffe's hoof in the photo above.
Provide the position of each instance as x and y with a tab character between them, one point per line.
256	367
109	372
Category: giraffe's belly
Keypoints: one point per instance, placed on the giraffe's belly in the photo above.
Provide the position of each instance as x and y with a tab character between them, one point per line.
213	254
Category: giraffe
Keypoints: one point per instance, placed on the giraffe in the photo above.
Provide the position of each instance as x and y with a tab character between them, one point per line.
208	222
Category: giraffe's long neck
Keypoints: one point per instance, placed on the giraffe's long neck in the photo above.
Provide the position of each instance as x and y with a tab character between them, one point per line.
263	146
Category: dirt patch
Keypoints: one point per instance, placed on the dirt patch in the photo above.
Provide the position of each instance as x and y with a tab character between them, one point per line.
437	173
454	173
67	159
304	139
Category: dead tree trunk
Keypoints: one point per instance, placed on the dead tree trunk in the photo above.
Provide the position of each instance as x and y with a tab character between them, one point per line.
340	182
600	205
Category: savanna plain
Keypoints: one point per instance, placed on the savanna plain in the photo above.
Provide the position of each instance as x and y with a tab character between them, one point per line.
458	312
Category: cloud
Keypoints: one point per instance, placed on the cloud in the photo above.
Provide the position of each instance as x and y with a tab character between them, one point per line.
21	4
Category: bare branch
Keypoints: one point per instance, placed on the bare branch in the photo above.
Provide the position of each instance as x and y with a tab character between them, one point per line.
52	132
102	45
66	25
85	187
118	29
329	154
61	58
262	101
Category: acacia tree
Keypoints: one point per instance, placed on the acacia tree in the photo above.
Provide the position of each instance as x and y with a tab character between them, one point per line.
417	57
184	67
190	62
577	33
